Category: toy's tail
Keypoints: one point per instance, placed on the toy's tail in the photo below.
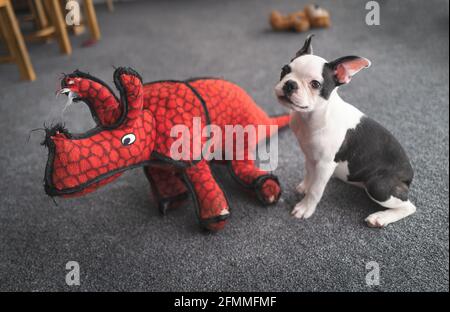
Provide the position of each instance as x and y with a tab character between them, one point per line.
281	121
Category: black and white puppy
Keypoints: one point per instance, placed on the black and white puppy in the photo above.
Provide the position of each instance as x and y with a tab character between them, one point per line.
339	140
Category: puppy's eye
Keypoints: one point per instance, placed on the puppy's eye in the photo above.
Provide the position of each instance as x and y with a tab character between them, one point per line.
128	139
284	71
315	84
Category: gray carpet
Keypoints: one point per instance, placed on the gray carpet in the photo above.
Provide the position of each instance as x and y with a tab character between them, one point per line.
117	235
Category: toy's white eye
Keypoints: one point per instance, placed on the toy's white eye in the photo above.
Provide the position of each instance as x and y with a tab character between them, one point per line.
128	139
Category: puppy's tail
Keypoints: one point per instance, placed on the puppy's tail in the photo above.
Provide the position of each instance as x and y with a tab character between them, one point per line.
282	121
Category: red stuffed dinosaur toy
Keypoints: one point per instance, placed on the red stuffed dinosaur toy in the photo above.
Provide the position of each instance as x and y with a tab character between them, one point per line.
135	131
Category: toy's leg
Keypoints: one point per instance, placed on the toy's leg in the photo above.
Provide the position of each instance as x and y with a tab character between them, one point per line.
265	185
209	198
167	187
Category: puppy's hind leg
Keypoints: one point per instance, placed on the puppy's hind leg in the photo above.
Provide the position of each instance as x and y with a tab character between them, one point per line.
397	209
392	194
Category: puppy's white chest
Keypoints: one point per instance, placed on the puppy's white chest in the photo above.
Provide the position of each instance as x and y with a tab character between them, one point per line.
322	142
322	145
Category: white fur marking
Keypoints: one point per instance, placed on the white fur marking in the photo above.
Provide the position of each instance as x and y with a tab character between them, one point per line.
342	172
397	209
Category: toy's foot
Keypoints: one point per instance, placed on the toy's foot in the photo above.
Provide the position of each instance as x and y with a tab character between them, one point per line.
265	185
215	227
215	223
209	199
268	189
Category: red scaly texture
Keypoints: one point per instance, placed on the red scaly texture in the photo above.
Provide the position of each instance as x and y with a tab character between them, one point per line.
150	113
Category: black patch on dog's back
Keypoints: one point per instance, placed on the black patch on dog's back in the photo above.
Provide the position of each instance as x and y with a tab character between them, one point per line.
376	158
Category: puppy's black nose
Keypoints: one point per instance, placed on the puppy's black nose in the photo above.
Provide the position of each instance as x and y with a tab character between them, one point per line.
289	87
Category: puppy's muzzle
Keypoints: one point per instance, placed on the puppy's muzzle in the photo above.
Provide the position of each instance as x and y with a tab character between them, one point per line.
289	87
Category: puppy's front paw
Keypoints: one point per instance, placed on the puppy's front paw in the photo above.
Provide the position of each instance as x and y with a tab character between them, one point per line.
301	187
378	219
303	210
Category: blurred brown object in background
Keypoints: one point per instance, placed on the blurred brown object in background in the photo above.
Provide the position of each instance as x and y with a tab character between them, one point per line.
295	21
318	16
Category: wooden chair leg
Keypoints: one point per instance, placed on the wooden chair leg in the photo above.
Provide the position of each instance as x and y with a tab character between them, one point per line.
9	49
91	19
39	13
58	22
16	44
5	58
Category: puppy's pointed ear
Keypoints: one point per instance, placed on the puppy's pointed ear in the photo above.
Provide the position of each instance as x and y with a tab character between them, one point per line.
345	67
306	49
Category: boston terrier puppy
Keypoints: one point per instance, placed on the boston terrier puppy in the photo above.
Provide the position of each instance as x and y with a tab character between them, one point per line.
339	140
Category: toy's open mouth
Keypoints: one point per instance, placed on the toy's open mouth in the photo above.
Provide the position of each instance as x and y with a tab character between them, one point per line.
69	93
75	119
86	126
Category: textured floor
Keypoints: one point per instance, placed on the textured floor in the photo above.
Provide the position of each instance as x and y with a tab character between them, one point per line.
117	235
